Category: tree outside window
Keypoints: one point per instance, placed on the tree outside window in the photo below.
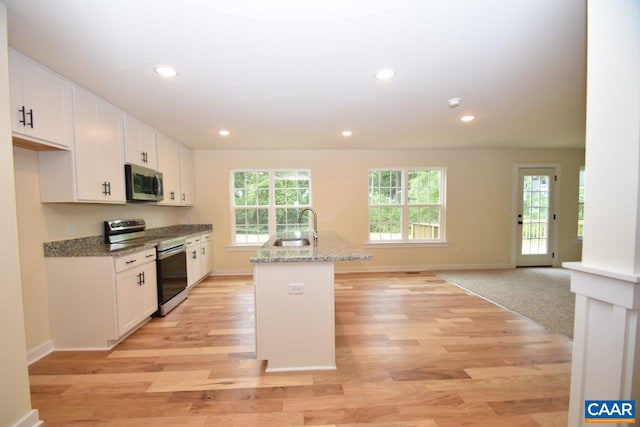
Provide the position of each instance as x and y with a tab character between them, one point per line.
406	205
267	201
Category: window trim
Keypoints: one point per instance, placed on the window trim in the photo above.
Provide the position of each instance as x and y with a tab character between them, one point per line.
404	206
271	207
581	176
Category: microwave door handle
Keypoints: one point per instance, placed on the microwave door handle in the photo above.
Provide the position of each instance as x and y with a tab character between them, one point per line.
156	186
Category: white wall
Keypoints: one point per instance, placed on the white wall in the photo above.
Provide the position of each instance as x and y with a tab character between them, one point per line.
479	197
15	401
606	357
613	131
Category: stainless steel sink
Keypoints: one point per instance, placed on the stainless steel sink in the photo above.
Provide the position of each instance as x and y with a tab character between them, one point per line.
296	241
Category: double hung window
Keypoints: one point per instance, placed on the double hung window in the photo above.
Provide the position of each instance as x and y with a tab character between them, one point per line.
406	205
267	201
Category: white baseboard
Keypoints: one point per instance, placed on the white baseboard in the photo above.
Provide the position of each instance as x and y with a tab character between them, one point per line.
302	368
32	419
345	268
39	352
411	268
231	273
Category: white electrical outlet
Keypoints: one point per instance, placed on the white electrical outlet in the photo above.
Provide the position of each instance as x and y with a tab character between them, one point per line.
70	231
296	288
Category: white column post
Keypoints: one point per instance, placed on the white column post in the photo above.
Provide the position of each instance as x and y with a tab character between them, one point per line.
15	400
606	360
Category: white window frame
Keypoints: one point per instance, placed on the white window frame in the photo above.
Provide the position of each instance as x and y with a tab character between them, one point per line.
581	177
271	207
404	205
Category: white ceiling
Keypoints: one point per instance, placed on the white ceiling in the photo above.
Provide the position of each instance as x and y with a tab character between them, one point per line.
294	74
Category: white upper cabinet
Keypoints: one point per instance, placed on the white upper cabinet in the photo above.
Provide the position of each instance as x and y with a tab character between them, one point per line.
40	104
139	143
187	184
99	149
169	165
93	172
175	161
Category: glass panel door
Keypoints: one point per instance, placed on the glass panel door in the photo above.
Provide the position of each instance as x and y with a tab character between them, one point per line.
535	217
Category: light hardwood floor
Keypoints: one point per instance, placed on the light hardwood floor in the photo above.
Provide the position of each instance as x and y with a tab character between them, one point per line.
412	350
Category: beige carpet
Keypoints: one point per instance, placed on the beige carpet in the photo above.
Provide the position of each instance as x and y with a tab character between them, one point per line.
541	294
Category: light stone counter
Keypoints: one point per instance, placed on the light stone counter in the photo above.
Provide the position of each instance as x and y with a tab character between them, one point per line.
94	246
330	248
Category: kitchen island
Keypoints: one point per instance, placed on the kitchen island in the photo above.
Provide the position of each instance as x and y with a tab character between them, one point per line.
294	301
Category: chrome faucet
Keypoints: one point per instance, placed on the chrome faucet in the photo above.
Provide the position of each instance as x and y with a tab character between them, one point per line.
315	222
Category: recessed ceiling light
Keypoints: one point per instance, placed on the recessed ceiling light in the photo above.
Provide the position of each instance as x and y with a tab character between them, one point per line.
467	118
166	71
385	74
347	133
224	132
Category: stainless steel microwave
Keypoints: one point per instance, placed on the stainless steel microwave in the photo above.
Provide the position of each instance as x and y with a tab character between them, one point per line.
142	184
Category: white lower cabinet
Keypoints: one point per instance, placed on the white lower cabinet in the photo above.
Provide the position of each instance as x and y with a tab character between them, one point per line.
194	260
94	302
199	261
136	296
206	252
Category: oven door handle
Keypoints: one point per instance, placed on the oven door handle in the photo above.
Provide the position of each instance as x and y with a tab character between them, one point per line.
176	250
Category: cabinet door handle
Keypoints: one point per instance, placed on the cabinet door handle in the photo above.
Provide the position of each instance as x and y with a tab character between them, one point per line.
202	251
131	261
195	255
30	114
144	157
143	279
22	111
150	256
172	195
106	188
184	197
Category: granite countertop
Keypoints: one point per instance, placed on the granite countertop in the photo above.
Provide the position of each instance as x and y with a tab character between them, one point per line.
330	247
94	246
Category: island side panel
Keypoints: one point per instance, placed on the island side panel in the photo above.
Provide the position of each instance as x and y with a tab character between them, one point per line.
295	331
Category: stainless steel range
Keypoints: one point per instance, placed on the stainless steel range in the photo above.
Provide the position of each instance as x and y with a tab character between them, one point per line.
171	263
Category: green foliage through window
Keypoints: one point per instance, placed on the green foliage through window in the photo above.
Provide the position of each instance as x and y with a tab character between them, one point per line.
405	204
266	201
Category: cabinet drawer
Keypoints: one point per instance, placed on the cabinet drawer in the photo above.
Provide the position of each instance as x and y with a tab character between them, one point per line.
193	240
133	260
